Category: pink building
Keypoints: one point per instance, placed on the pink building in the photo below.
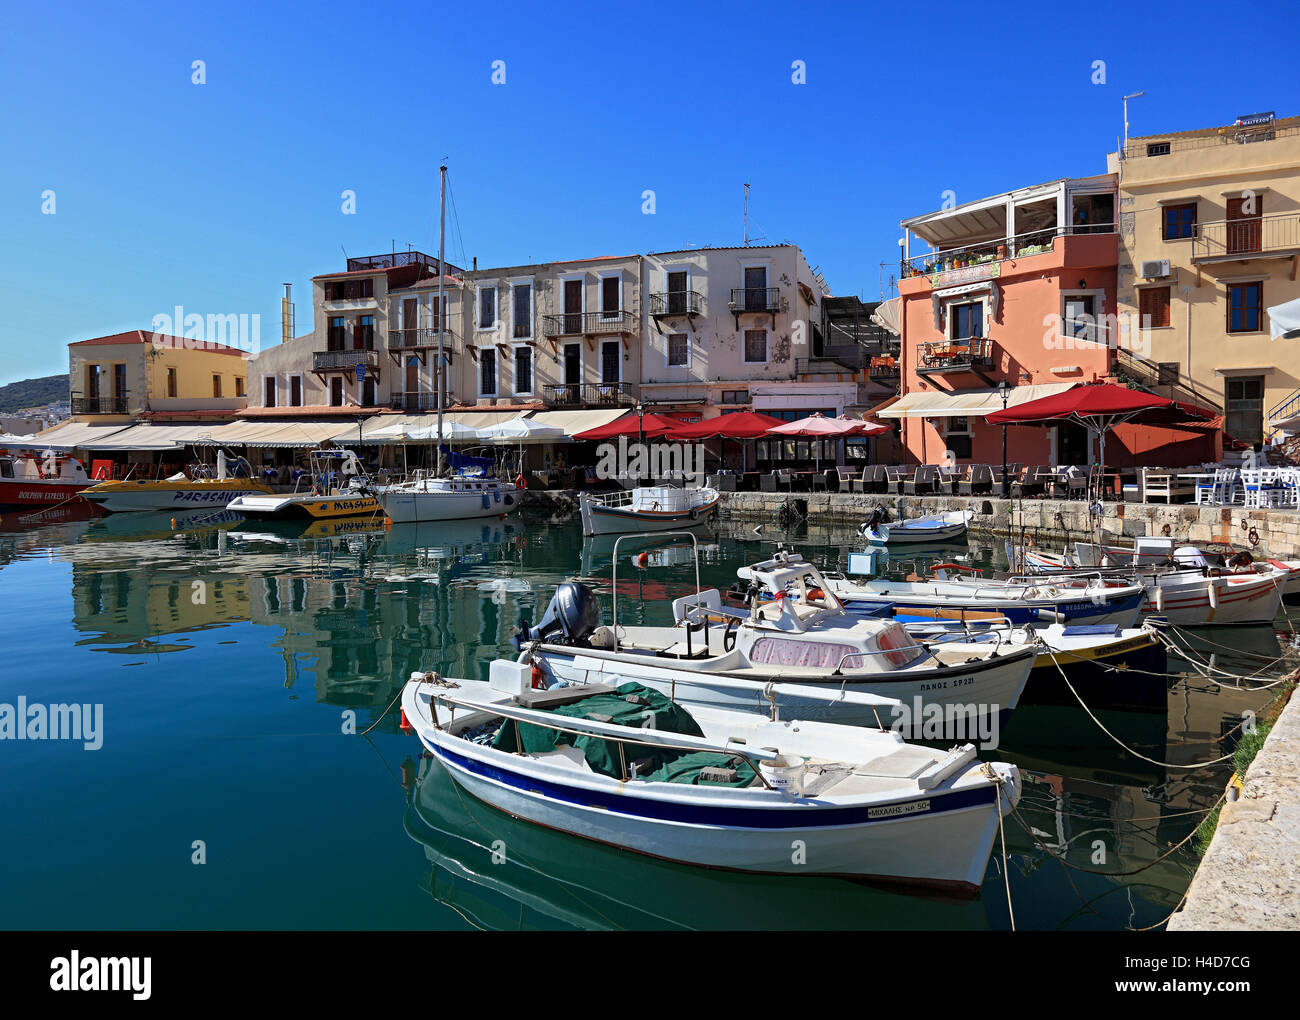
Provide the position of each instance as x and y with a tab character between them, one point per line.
1020	289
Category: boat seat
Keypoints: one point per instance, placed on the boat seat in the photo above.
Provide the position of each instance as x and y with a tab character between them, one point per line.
904	763
566	755
557	696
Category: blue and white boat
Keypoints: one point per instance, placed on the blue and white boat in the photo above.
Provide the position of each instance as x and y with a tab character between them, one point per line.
945	527
718	788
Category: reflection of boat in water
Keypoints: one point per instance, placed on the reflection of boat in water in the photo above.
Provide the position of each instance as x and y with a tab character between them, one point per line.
498	872
290	530
151	525
445	539
598	551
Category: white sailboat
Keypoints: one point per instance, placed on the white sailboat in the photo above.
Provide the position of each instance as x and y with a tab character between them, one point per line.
463	494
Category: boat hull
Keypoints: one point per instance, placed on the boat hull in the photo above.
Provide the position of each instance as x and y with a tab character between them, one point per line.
306	508
19	494
976	699
127	497
1123	610
1129	675
1237	599
435	505
602	520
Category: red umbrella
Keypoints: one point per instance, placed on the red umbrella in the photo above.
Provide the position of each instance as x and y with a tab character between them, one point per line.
652	426
740	425
1098	407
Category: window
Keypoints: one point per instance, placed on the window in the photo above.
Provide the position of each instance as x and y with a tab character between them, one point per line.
611	362
966	320
735	396
1158	149
1167	373
523	309
487	372
334	338
1080	319
363	335
349	290
1153	306
1245	307
216	386
1179	221
295	391
678	349
677	292
523	370
611	296
239	386
487	307
119	382
171	382
336	392
92	381
268	391
1243	404
755	346
435	318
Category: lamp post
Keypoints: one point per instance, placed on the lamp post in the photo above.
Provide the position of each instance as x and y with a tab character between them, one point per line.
1002	392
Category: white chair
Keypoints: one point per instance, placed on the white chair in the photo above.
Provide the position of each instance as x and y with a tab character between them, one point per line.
1261	485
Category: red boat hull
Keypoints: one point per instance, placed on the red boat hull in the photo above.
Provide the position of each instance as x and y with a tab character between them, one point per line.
23	494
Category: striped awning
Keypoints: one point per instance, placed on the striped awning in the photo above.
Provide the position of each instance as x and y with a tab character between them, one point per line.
965	403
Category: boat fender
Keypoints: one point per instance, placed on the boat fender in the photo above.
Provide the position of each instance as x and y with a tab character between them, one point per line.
1214	595
1160	599
695	513
538	678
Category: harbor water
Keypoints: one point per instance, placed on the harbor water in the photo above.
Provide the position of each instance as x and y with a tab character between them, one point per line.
249	776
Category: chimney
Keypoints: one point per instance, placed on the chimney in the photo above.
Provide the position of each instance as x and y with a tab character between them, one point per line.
286	314
476	263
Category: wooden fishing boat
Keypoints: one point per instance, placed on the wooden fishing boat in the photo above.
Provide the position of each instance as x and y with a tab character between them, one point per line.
944	527
646	508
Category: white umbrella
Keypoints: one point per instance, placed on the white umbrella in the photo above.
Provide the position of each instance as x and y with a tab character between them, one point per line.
521	430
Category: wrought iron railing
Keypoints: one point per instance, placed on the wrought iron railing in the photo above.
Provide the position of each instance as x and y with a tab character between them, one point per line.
99	405
1134	367
1033	242
584	323
619	394
1230	135
756	299
954	355
395	260
677	302
413	402
423	338
329	361
1247	235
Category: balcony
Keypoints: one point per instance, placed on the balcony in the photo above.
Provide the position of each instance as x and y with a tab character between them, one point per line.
590	395
99	405
676	302
414	402
419	343
587	323
398	260
1260	128
973	355
1275	236
344	361
1000	249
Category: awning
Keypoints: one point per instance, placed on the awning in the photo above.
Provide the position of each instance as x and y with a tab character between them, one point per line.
158	437
278	434
965	403
1284	320
78	435
886	315
574	422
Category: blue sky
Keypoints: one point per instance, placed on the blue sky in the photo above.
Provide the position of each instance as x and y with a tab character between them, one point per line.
211	196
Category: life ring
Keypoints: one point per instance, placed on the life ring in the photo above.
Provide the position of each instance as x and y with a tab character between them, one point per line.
520	481
816	595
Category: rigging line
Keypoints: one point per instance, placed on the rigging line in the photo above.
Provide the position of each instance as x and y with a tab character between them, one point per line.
455	218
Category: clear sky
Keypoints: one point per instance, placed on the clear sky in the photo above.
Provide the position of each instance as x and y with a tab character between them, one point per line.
211	196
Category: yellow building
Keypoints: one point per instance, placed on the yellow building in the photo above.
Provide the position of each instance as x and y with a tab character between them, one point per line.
139	374
1209	242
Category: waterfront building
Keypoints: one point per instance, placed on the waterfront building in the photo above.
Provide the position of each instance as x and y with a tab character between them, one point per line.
1209	242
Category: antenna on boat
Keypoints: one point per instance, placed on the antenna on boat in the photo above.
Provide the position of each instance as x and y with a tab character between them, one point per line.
440	387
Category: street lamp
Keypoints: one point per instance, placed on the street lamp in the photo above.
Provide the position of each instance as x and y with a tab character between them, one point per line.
1002	392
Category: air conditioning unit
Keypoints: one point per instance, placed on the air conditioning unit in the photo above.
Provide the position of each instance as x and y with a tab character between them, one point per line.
1155	269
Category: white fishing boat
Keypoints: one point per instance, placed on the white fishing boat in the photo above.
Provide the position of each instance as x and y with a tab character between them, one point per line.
646	508
447	499
712	787
334	488
723	657
944	527
181	491
1065	599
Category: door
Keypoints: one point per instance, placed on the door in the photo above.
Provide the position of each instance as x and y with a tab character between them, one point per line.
677	293
412	381
410	321
1071	445
119	386
1244	232
1243	406
573	306
756	288
611	361
611	297
572	371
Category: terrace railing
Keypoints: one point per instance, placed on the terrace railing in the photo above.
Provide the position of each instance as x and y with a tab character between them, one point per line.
344	361
677	302
588	323
99	405
413	402
1247	235
955	355
756	299
423	338
619	394
1033	242
1231	135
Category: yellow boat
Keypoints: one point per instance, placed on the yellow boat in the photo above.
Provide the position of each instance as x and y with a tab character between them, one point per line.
175	493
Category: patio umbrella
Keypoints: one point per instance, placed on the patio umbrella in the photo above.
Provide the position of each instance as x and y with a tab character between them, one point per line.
652	426
1099	407
521	430
818	426
740	425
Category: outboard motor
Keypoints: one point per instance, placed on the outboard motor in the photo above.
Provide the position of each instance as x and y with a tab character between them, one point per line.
572	616
1189	556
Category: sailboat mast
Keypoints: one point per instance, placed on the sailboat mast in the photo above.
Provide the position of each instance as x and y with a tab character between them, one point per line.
440	382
